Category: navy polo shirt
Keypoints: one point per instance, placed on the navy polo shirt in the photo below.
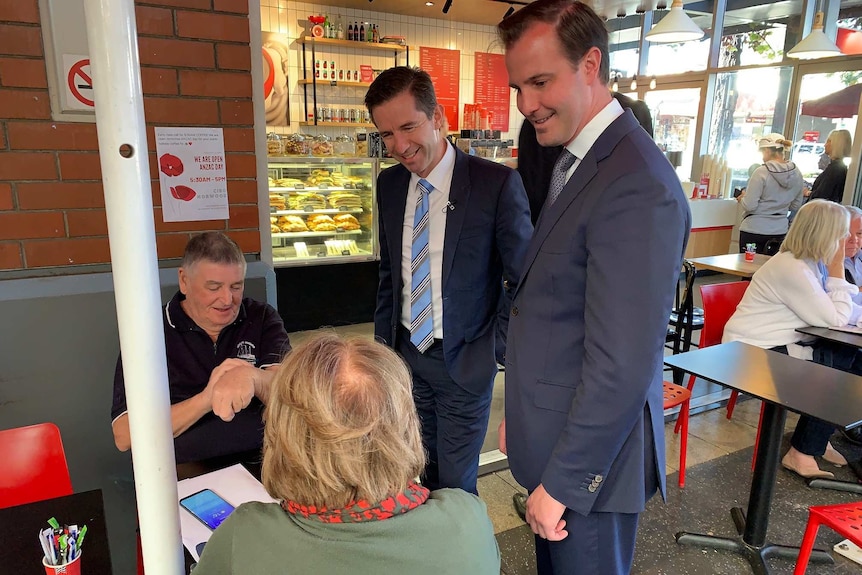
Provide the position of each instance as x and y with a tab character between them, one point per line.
256	336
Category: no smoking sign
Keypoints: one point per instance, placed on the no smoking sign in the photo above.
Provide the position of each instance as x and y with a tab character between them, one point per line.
78	88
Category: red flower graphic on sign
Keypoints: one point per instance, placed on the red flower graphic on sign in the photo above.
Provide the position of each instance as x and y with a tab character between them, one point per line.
170	165
183	193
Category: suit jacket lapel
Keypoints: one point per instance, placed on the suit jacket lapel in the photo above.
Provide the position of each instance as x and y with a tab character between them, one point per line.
585	172
459	195
396	199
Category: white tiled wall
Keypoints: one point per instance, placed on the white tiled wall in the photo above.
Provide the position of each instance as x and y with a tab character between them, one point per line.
291	19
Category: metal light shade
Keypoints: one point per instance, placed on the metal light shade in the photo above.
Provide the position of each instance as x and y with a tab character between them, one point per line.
816	45
676	26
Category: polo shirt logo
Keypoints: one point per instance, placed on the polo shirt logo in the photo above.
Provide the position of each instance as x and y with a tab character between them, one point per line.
245	350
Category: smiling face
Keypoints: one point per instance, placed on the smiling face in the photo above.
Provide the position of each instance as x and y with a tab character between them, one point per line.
409	134
557	97
213	294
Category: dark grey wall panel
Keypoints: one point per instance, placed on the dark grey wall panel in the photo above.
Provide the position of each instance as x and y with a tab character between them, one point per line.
58	351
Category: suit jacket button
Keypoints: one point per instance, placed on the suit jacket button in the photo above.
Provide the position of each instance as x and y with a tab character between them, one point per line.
592	488
599	479
514	310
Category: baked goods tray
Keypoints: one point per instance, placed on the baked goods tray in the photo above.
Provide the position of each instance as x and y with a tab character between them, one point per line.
326	211
314	234
315	189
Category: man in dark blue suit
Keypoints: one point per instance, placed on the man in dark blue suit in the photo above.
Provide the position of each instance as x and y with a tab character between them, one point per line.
584	418
453	232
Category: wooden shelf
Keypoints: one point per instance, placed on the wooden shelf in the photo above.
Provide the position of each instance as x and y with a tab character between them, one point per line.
334	83
351	44
338	124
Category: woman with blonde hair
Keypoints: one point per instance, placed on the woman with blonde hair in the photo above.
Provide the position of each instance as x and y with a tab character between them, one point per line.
802	285
774	189
829	185
341	452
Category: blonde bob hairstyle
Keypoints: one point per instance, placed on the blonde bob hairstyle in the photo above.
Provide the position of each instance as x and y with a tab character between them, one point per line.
841	144
340	424
816	230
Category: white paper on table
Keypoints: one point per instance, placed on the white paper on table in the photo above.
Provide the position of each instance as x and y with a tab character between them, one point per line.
236	486
849	550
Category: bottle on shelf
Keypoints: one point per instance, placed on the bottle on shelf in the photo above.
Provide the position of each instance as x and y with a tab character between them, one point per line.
362	32
369	34
375	35
339	30
349	31
327	28
355	30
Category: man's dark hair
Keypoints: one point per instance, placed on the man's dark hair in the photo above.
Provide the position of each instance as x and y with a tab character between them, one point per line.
392	82
578	29
213	247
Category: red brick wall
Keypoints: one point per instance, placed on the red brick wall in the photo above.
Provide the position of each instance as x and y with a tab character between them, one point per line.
195	70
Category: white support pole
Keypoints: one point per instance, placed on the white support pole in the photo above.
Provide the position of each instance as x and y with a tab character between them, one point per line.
114	61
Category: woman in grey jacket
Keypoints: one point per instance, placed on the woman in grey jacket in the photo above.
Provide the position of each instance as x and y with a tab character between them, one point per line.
773	189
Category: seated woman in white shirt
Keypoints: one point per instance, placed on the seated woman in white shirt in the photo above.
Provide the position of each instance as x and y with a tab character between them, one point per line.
802	285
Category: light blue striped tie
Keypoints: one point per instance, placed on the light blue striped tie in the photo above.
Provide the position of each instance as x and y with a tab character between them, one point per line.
421	318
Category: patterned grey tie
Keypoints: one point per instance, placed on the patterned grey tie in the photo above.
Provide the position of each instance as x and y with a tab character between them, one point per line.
558	178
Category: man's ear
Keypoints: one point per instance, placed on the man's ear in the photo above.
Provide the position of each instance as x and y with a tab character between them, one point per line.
184	281
592	63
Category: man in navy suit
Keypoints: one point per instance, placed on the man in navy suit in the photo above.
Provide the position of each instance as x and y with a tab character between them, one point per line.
453	233
584	419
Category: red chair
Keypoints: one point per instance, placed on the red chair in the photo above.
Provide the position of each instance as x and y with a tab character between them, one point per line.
34	465
678	395
719	303
845	519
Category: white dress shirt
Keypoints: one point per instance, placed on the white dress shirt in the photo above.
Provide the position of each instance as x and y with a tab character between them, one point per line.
438	200
591	132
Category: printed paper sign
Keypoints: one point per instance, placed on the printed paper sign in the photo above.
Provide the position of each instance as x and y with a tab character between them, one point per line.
192	174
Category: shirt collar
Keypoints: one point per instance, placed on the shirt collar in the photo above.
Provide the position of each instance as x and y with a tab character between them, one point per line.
178	319
594	128
441	175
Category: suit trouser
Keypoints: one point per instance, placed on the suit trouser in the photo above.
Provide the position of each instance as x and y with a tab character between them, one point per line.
454	421
597	544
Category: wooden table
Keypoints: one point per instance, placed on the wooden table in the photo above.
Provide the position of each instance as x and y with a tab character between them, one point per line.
783	383
20	552
733	264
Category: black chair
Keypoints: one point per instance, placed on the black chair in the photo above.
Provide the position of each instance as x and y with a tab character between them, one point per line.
685	318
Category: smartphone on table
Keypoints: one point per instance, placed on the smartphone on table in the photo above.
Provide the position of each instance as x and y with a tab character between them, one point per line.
208	507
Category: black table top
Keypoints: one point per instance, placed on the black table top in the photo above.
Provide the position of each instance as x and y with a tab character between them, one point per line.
802	386
20	552
847	338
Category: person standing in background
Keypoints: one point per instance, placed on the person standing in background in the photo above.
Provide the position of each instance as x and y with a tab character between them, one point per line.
453	233
773	190
584	426
829	185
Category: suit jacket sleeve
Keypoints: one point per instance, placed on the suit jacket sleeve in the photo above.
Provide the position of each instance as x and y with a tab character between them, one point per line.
384	308
637	230
513	231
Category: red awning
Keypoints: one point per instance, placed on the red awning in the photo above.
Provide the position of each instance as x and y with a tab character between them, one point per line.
841	104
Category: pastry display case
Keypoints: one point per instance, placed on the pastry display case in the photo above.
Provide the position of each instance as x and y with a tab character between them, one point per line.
322	210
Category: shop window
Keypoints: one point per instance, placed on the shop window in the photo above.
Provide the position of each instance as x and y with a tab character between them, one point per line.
747	104
759	34
623	36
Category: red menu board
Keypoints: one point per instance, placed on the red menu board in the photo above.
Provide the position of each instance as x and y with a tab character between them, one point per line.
492	88
444	67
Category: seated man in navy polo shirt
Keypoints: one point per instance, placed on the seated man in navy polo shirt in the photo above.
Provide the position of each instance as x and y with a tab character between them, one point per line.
222	350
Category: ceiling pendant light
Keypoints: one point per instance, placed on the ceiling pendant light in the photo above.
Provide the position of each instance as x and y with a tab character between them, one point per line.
816	45
676	26
509	12
652	83
634	85
447	6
